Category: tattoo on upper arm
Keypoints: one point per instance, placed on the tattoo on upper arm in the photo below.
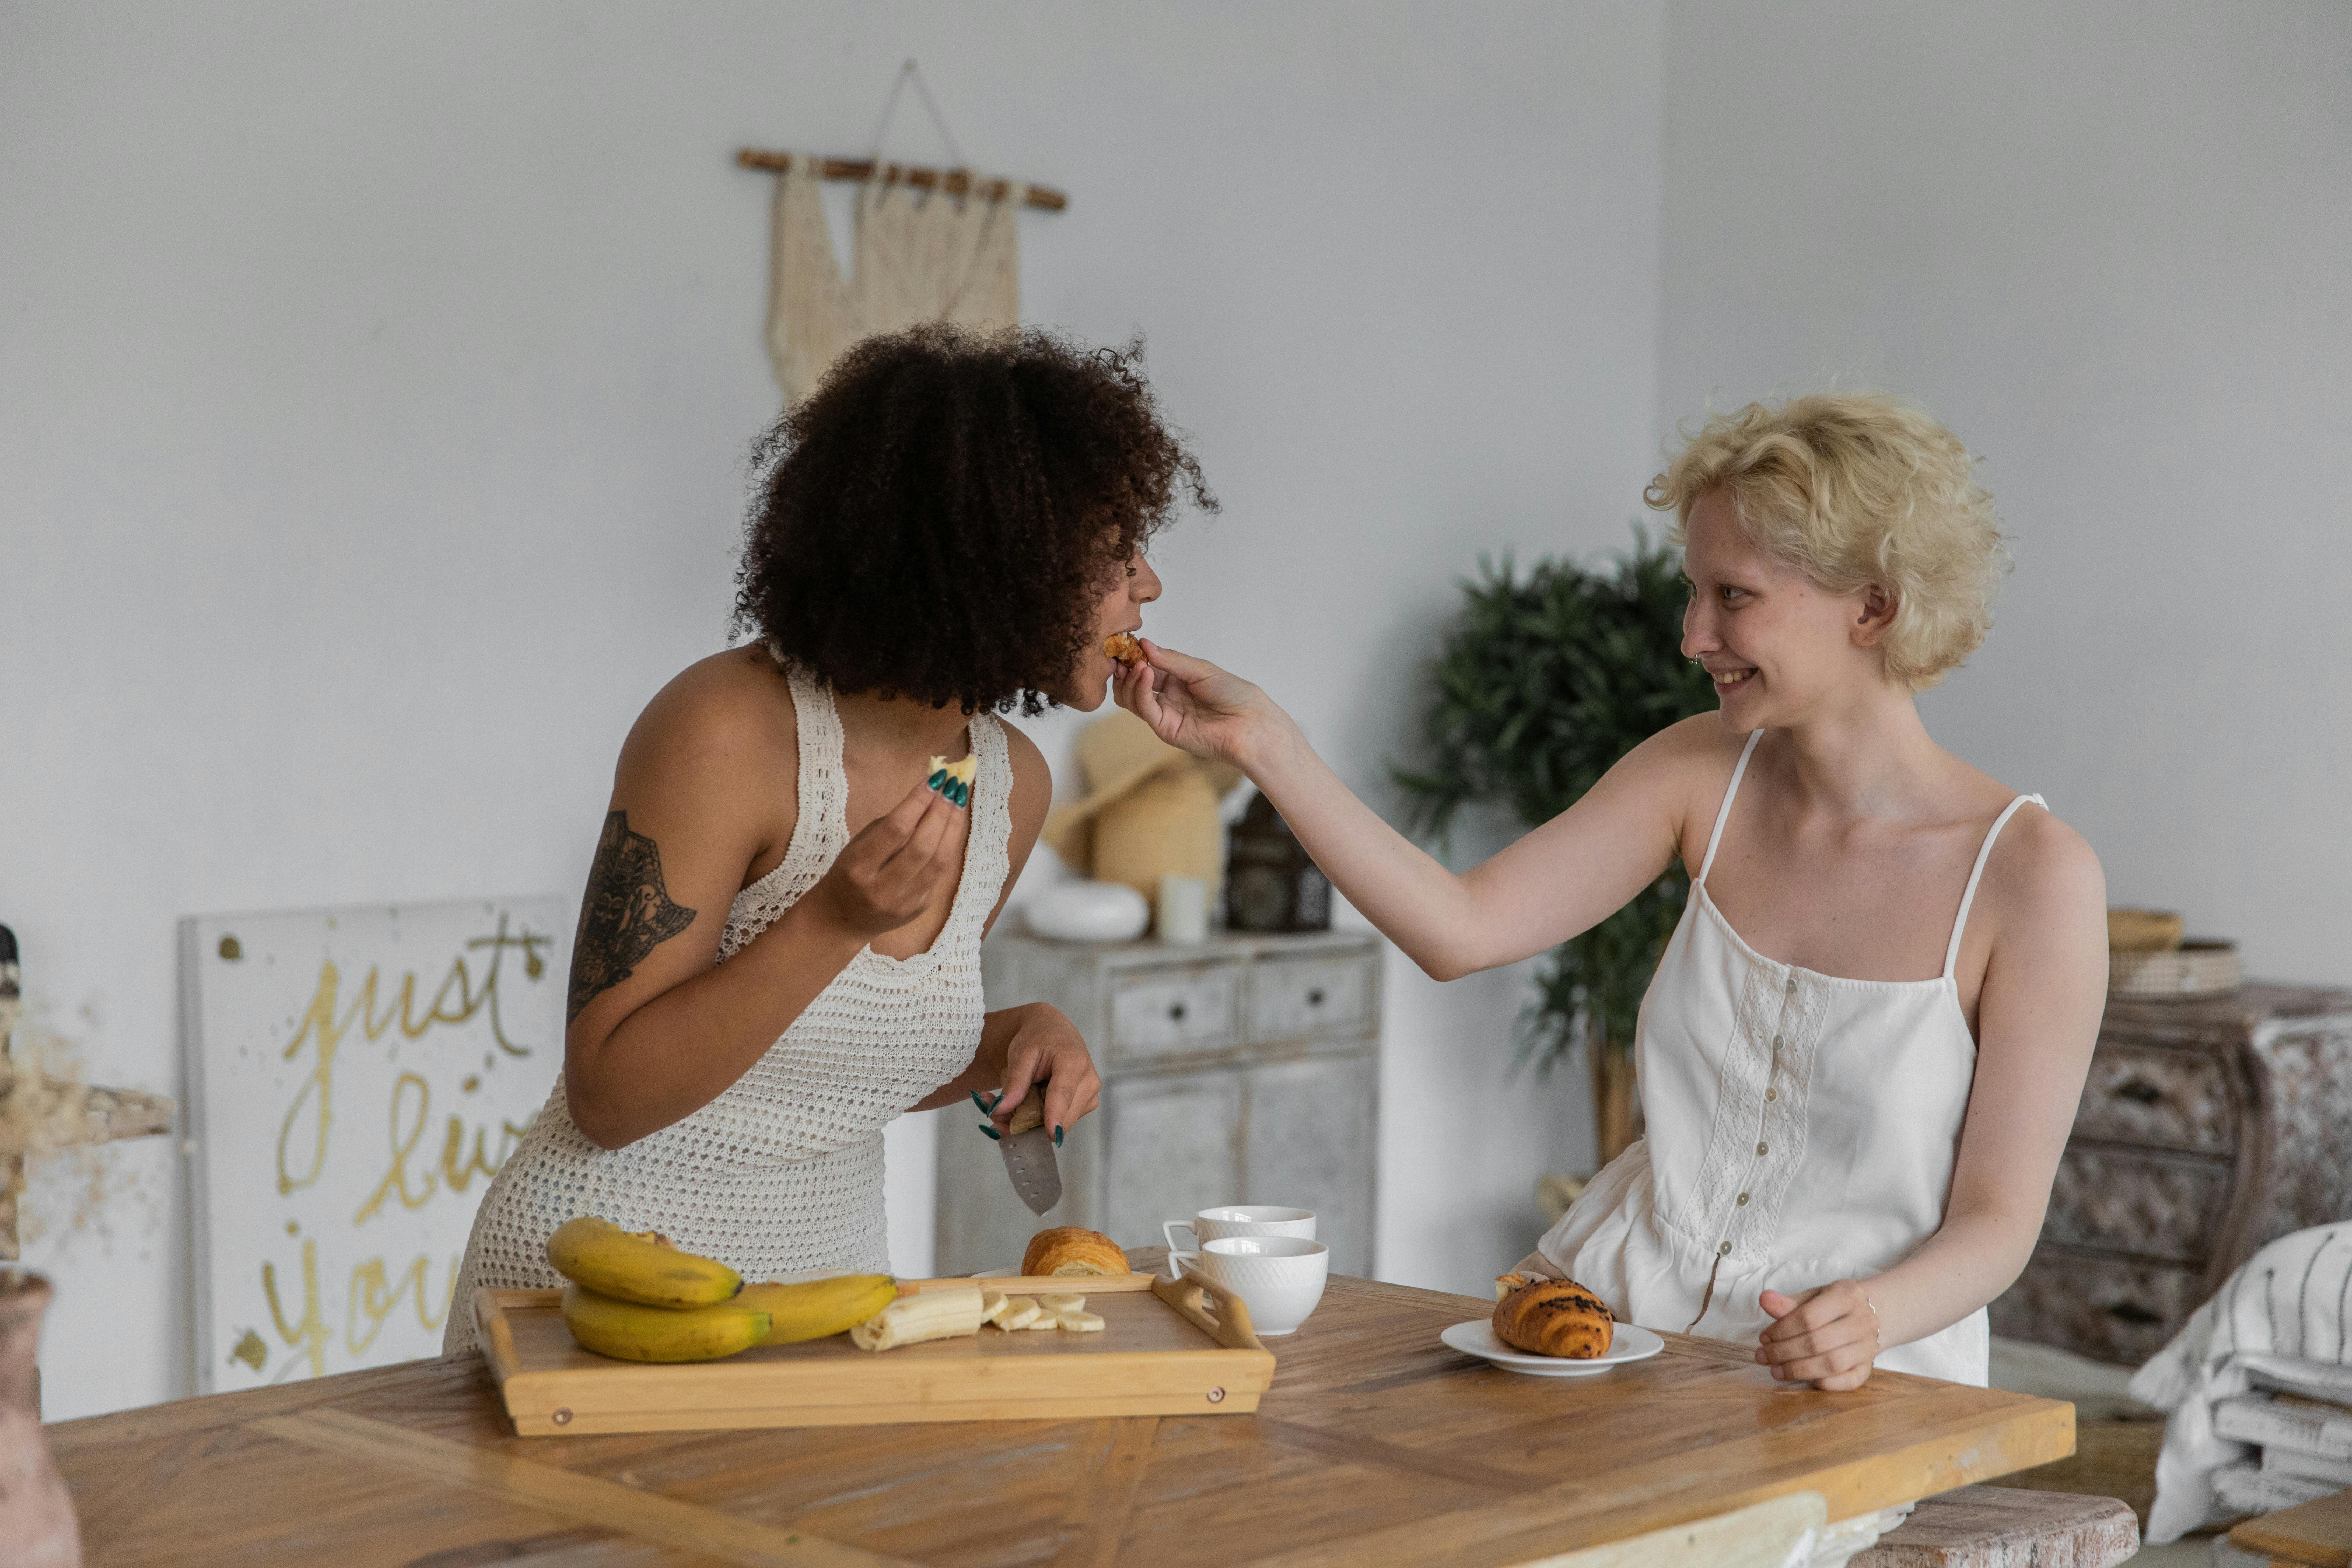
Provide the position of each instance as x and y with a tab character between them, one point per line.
626	914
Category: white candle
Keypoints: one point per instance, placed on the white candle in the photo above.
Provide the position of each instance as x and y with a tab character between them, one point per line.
1183	910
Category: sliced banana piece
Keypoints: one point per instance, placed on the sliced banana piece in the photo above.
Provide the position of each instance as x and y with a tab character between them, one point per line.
1019	1312
1064	1303
1045	1321
913	1320
992	1305
1080	1322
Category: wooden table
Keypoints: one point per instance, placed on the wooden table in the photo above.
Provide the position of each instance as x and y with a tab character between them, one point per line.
1376	1444
2318	1534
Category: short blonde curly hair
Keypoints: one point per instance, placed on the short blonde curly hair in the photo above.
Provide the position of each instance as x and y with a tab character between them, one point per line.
1857	488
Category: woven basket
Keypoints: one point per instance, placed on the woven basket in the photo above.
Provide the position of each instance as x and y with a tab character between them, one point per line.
2143	931
2202	966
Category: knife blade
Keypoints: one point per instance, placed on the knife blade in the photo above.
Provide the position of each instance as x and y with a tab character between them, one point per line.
1028	1147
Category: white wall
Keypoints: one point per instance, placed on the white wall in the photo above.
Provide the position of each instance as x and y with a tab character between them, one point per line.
374	382
2111	243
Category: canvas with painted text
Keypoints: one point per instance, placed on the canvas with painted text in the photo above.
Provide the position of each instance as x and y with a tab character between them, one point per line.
355	1078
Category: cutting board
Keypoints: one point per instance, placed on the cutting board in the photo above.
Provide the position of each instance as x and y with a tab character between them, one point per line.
1166	1348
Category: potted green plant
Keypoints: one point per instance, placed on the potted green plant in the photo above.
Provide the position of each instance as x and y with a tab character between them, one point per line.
1543	683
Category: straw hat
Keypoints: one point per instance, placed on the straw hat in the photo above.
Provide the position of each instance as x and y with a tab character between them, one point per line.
1149	809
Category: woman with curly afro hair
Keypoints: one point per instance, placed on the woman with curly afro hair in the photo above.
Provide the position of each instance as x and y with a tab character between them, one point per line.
808	835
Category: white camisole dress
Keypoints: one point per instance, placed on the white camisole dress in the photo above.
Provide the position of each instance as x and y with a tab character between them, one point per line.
782	1174
1801	1128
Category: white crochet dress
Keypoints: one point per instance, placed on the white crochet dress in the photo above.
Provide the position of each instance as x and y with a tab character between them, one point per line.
783	1173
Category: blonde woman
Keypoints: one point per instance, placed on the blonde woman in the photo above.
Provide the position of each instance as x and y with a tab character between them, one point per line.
1861	1053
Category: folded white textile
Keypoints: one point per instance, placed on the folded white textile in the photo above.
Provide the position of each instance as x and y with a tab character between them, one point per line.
2282	1321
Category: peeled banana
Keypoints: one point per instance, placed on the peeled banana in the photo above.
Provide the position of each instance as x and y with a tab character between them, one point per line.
638	1266
819	1307
1063	1303
1078	1322
1019	1312
630	1331
991	1306
947	1314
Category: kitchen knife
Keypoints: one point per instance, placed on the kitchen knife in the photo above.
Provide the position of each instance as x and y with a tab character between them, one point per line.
1028	1146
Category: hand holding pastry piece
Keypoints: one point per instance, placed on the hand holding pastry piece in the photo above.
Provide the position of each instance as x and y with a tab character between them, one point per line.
953	780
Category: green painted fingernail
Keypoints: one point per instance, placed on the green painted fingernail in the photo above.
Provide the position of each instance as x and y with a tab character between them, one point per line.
991	1131
985	1106
1057	1137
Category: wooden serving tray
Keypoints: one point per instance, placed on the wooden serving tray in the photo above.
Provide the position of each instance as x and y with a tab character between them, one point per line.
1166	1348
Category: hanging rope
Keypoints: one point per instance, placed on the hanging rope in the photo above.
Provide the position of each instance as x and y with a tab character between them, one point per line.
907	73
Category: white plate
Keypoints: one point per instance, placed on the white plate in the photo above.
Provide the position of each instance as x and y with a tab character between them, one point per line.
1477	1338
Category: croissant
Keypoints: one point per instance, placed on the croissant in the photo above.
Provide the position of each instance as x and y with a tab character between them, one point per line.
1122	647
1554	1317
1068	1249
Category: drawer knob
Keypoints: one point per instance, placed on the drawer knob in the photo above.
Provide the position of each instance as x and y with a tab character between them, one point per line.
2133	1312
1315	997
2141	1090
1176	1012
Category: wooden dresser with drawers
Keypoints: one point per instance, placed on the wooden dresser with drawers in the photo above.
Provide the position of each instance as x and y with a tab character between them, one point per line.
2207	1127
1244	1069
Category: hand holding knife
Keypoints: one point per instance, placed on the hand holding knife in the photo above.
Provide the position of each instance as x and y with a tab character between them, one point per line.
1028	1148
1050	1078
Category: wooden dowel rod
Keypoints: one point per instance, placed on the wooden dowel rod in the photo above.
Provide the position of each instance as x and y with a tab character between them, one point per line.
955	182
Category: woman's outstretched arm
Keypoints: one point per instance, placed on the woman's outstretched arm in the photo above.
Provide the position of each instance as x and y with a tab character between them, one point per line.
1561	879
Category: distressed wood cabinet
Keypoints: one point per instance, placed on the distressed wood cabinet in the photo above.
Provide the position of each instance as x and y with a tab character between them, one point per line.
2207	1127
1243	1070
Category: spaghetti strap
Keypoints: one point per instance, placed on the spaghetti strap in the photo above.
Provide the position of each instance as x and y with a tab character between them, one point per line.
1723	813
1952	954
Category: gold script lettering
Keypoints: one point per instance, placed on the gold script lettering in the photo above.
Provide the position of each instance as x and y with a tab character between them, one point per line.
373	1297
403	1145
531	942
309	1335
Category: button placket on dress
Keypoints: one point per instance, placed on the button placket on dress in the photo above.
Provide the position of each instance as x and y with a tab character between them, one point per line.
1767	1163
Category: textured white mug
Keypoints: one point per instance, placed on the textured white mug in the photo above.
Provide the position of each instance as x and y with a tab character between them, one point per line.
1278	1278
1237	1219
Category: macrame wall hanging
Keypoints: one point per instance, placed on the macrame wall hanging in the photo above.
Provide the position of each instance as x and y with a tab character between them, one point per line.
929	244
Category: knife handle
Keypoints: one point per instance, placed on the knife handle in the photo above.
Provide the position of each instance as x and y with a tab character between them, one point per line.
1030	1114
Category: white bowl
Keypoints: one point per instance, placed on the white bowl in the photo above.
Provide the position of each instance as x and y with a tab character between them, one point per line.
1278	1278
1088	912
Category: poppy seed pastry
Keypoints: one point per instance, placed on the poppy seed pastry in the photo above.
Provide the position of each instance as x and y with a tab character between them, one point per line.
1122	647
1069	1250
1555	1318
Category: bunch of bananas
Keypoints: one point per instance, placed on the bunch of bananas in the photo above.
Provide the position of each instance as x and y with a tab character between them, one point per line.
634	1296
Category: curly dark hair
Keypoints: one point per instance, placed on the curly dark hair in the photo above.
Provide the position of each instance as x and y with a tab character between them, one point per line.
939	519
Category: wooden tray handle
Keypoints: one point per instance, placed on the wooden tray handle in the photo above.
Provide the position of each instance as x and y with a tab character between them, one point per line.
1212	1309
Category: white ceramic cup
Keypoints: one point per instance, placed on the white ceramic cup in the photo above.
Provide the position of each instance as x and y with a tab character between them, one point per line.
1278	1278
1238	1219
